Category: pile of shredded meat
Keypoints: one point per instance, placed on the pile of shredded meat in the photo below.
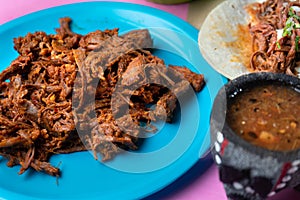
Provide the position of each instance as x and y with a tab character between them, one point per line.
275	34
67	92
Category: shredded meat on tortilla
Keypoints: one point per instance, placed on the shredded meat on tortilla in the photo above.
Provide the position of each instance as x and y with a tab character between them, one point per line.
67	92
276	36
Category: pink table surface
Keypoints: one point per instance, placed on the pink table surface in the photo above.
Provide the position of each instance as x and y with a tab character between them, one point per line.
196	183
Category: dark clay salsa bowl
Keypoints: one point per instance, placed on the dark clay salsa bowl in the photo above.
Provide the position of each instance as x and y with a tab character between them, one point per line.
249	171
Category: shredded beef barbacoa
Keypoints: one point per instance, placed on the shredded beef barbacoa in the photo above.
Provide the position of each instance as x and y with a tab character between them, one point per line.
47	90
275	36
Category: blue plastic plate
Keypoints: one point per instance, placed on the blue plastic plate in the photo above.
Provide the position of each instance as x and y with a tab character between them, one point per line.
163	157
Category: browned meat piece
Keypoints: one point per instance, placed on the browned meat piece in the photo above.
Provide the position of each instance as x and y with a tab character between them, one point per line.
141	38
19	65
32	43
64	28
92	40
165	106
196	80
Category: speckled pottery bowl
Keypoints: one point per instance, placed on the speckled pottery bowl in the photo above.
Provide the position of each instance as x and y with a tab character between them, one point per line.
246	170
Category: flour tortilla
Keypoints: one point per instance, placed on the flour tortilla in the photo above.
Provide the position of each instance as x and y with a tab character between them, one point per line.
218	29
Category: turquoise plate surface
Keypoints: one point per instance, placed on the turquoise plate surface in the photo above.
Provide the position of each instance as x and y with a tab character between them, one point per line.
164	156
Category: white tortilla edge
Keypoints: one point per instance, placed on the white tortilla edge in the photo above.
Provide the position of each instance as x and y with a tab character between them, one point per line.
223	19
